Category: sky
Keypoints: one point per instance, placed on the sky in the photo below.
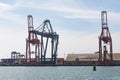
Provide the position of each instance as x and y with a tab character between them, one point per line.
78	23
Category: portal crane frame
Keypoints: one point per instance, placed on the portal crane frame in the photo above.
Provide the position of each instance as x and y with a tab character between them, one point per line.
46	33
32	44
105	40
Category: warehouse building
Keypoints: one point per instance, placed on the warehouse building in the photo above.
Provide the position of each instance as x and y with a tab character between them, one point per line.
89	57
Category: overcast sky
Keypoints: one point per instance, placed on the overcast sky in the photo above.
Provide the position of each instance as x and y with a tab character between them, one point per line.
78	23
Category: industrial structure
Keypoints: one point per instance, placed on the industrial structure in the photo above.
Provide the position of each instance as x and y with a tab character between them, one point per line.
16	58
42	46
105	41
48	39
87	59
32	43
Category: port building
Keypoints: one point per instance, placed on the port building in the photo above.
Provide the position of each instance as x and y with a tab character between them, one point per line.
88	57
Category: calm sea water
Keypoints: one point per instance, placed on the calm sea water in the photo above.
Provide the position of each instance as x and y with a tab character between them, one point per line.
60	73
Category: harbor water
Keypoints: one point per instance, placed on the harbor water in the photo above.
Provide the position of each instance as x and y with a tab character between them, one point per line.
60	73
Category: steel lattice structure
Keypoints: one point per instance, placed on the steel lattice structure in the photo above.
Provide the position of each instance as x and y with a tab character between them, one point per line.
105	40
46	32
32	44
42	38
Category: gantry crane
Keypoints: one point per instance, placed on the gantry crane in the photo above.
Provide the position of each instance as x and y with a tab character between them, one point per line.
46	33
32	44
37	43
105	41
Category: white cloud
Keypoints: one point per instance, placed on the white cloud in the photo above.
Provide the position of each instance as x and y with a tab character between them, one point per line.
68	11
71	12
65	10
7	14
4	7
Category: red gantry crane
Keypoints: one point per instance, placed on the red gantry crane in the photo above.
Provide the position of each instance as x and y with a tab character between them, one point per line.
32	44
105	41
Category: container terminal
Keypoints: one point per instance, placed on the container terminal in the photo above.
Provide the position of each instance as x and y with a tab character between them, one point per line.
43	40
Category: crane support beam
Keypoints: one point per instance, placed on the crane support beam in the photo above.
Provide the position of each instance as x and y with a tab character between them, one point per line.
50	35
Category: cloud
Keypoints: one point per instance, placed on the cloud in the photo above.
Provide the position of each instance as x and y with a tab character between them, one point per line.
7	13
71	12
4	7
61	7
68	11
65	10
